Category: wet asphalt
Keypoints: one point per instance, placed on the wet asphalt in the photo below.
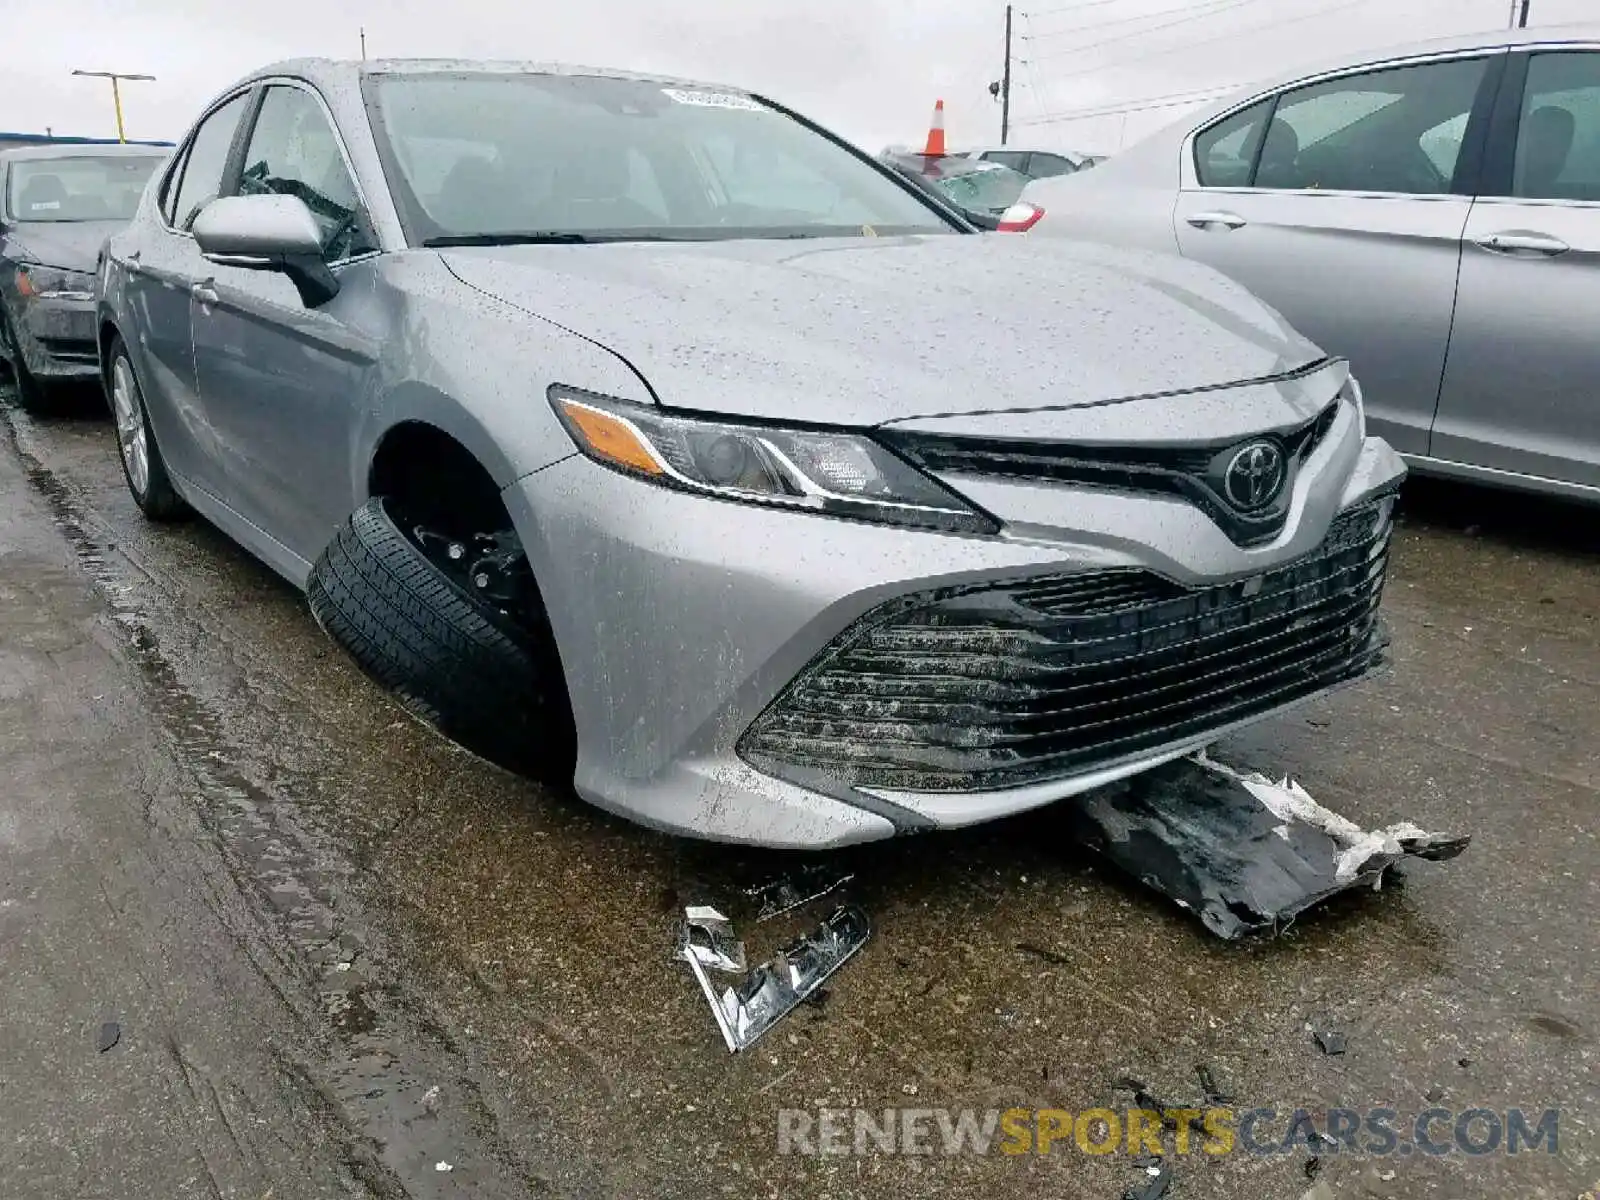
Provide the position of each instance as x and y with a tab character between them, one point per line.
340	956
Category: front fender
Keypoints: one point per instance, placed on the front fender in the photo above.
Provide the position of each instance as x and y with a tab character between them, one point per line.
477	369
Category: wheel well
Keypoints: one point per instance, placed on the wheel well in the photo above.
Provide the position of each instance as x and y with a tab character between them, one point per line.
437	478
438	481
108	331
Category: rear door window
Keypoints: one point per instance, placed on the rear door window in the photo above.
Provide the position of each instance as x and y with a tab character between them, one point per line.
1225	153
1397	130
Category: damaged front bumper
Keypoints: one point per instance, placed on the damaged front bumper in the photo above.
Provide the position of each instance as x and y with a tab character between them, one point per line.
55	334
689	628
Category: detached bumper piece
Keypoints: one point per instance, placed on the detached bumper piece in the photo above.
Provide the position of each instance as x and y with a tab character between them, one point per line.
1006	685
770	992
1242	852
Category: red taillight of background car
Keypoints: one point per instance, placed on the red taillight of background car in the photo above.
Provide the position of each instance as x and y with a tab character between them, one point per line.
1020	218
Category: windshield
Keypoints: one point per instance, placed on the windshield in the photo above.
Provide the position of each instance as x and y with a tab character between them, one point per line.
485	157
991	189
105	188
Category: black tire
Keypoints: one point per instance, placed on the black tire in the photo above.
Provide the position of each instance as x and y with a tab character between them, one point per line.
157	498
451	658
31	394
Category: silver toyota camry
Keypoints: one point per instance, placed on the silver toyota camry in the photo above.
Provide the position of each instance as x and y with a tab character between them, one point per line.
641	434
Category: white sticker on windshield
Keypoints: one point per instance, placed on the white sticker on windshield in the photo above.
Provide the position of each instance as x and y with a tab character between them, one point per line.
712	99
45	205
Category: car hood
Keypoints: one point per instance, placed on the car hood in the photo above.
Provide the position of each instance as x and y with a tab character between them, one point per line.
70	245
859	331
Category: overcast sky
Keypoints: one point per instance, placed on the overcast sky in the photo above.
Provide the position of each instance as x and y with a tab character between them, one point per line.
869	69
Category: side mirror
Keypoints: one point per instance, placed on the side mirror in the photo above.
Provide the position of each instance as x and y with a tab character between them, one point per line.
267	233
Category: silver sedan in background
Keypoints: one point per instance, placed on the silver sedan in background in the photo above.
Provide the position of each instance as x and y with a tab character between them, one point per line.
1433	213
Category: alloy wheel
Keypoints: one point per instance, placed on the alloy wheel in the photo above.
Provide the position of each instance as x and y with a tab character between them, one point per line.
128	410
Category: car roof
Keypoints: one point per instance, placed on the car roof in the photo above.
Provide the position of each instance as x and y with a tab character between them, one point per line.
85	150
1584	32
347	72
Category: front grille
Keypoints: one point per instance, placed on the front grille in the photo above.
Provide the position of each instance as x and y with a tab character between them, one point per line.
1193	473
1003	685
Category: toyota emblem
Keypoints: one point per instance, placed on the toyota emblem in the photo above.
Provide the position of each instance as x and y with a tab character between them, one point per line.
1255	475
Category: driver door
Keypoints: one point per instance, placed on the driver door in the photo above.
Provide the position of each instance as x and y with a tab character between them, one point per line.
280	382
1341	203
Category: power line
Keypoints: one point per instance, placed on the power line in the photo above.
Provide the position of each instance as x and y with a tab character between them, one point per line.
1191	14
1171	100
1232	33
1215	8
1048	12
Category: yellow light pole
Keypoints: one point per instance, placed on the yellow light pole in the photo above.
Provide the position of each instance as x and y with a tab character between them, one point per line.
116	78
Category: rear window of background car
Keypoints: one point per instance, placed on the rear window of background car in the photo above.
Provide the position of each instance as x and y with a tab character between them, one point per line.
1396	129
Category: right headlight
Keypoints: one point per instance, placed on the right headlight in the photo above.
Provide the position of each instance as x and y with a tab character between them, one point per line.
836	473
53	283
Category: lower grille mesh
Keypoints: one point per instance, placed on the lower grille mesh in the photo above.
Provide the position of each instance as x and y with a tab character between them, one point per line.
1010	684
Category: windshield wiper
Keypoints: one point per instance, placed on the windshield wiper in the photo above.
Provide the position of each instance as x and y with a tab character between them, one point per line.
532	238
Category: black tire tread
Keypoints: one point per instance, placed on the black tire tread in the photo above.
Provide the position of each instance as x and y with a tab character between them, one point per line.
450	658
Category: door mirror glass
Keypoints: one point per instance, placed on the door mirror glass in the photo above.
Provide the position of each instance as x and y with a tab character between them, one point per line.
267	233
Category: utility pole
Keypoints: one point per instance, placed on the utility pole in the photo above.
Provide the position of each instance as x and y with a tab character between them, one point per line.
1522	21
1005	86
116	78
363	43
1000	89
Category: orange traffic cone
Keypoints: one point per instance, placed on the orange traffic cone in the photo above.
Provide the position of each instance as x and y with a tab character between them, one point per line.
936	130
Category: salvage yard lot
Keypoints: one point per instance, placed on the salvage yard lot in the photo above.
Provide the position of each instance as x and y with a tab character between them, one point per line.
434	923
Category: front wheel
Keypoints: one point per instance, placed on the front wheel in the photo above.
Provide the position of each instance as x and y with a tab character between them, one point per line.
142	464
486	677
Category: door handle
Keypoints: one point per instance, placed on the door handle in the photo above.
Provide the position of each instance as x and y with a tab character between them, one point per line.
204	293
1210	220
1523	243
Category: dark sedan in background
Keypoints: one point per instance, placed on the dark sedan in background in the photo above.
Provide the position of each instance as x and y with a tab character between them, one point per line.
58	204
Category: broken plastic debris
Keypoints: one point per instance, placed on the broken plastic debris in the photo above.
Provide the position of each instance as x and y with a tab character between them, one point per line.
1288	801
770	992
110	1035
1156	1185
442	1167
1241	851
1213	1094
1329	1042
708	937
794	889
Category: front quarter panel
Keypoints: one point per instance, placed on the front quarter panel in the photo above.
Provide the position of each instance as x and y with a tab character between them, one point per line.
478	369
